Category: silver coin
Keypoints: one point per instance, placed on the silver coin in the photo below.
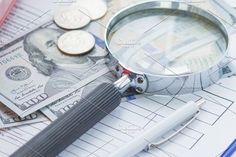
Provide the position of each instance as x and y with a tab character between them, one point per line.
76	42
72	18
95	8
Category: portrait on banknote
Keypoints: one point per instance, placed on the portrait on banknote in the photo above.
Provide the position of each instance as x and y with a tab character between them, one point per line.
64	70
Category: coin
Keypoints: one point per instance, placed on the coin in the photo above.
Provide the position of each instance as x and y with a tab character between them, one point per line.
72	18
76	42
96	8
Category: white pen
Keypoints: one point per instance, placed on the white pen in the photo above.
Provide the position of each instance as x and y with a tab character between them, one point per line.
177	118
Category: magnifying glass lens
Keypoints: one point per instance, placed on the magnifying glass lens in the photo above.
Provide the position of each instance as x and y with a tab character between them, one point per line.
166	42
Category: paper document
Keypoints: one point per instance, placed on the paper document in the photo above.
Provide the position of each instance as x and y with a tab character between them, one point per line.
134	116
142	112
208	136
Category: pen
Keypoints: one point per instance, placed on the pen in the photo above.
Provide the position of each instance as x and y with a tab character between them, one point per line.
177	118
5	8
230	150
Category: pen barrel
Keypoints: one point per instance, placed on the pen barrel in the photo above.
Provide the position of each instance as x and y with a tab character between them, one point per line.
74	123
140	142
230	150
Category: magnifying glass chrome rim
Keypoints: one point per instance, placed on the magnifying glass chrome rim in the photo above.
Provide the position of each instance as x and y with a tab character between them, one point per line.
171	5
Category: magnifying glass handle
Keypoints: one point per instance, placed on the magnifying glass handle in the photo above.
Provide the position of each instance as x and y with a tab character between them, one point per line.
73	124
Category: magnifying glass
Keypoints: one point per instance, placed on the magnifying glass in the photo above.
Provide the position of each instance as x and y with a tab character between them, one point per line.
168	47
155	47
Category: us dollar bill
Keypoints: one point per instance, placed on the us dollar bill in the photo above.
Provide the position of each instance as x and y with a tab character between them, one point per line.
61	106
10	119
34	73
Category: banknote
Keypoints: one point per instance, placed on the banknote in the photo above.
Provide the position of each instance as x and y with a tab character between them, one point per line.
10	119
34	73
59	107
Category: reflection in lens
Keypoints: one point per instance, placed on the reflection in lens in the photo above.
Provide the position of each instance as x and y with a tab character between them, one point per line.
166	42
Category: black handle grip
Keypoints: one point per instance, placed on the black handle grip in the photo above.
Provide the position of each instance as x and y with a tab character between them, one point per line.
74	123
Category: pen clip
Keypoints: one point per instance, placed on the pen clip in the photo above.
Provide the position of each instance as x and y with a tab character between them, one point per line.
155	145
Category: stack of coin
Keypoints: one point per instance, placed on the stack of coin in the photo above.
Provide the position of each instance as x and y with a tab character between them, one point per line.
77	16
